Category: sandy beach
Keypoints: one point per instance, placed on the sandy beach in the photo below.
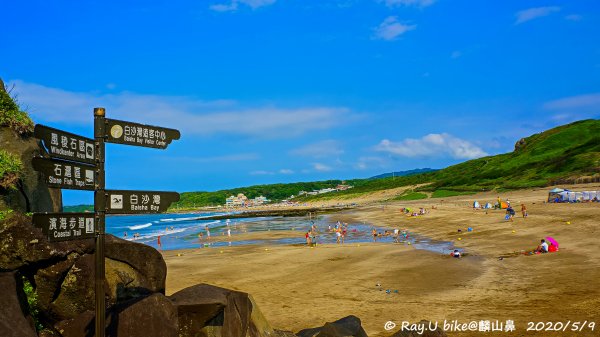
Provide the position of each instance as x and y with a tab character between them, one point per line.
298	287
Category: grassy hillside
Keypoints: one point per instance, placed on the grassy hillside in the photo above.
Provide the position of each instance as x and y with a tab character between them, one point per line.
562	153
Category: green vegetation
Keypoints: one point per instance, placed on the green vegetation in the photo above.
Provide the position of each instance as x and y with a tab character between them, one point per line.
566	152
10	167
78	208
12	116
5	214
446	193
412	196
33	303
274	192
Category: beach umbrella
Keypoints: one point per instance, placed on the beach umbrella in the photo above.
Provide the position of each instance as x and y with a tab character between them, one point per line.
552	241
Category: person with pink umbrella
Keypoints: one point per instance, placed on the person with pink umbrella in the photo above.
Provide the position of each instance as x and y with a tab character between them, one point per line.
553	244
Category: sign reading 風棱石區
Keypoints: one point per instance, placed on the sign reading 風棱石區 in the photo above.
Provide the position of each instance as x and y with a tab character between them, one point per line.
66	145
65	174
129	133
65	226
132	202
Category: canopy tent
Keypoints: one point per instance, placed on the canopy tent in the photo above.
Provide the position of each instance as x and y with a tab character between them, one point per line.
571	196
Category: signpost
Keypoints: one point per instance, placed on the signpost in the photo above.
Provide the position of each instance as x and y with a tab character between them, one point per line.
65	145
64	174
135	134
77	162
135	202
65	226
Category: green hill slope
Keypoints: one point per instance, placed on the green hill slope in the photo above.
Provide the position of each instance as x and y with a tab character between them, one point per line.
566	152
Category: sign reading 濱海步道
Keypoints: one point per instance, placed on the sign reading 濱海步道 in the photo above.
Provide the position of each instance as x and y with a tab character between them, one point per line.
128	133
65	174
65	145
65	226
133	202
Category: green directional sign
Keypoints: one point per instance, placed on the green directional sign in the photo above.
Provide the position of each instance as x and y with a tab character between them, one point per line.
138	202
66	226
135	134
66	145
65	174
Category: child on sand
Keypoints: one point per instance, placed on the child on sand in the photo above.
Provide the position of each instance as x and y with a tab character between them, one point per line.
542	248
524	210
456	254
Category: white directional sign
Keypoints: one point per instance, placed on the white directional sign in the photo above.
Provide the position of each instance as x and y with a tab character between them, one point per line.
65	174
65	145
132	202
65	226
130	133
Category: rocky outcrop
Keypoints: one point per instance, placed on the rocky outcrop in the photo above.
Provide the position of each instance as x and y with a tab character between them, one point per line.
151	316
520	144
349	326
14	312
205	310
31	193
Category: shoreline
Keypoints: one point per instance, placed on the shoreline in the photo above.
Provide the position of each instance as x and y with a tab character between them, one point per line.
297	287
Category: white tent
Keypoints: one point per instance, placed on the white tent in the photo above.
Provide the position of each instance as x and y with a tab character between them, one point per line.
487	206
476	204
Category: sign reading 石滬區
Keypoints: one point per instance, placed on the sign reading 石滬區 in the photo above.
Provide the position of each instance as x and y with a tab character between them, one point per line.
65	174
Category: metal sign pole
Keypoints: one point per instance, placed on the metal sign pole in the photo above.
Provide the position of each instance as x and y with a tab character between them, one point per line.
100	214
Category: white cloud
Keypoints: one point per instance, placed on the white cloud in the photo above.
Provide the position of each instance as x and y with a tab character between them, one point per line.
432	145
370	162
224	158
417	3
261	173
189	115
233	5
574	17
456	54
575	102
534	13
574	108
323	149
286	171
321	167
390	29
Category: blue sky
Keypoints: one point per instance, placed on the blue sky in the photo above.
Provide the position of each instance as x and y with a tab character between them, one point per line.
267	91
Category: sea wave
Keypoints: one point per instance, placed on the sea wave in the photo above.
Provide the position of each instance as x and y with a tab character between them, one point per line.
136	227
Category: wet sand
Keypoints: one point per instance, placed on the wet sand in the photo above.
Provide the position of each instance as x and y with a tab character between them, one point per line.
299	287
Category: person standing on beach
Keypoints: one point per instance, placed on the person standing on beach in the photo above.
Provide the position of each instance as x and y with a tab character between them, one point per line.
338	234
207	232
344	231
524	210
228	232
158	242
374	234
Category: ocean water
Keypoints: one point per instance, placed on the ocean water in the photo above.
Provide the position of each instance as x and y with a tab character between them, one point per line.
180	231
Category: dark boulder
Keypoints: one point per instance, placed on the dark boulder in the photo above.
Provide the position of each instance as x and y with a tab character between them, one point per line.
142	269
349	326
24	247
205	310
15	320
152	316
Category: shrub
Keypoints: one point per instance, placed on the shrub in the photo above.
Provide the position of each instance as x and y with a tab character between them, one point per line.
10	167
12	116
